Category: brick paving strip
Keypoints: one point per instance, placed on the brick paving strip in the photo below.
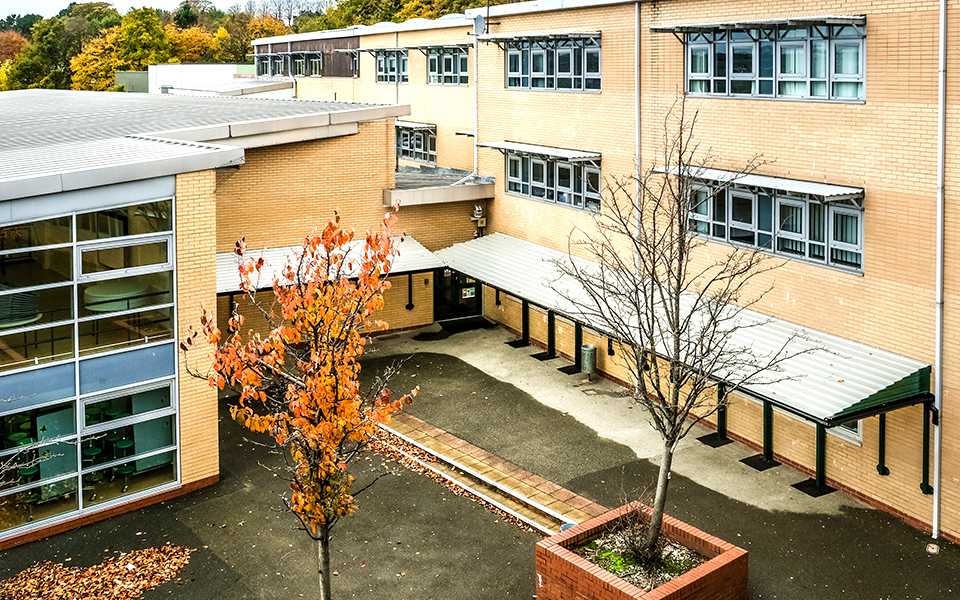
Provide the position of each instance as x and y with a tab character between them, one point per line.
527	494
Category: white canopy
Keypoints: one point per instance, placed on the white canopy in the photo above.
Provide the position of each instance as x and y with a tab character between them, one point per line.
825	191
827	382
548	151
759	23
411	257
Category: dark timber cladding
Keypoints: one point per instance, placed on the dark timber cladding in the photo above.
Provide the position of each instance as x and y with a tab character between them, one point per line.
334	64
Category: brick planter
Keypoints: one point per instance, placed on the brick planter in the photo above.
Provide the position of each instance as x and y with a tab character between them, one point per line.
564	575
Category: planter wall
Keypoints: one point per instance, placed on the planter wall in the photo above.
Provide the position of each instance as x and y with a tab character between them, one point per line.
564	575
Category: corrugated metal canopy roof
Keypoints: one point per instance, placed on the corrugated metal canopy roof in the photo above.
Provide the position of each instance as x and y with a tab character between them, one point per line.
548	151
826	191
833	379
416	125
411	257
759	23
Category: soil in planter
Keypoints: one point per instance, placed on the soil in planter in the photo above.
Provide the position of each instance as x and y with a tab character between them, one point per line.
609	552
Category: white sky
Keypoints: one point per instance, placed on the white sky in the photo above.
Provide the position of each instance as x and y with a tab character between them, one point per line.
49	8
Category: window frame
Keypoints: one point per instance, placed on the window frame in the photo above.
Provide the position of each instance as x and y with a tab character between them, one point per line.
549	78
577	194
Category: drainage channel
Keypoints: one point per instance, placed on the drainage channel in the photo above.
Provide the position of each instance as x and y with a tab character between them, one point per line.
531	512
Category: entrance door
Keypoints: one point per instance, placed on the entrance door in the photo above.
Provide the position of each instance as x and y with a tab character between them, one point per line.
457	296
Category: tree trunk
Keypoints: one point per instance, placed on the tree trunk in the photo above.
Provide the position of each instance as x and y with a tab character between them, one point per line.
323	562
656	518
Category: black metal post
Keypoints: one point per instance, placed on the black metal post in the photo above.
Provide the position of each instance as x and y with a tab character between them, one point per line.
882	445
721	411
409	291
577	342
821	458
525	322
497	297
609	346
551	334
768	431
925	486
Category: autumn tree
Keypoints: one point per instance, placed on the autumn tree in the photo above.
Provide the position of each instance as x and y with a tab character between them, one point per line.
142	40
191	45
266	26
96	67
299	381
679	310
22	24
11	43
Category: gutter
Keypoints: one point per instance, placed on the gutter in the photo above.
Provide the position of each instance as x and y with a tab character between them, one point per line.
938	361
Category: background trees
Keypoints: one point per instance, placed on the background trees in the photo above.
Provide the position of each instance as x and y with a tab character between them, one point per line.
11	43
298	382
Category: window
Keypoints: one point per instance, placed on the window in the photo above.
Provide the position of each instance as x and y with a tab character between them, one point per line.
417	145
263	66
785	224
821	61
572	184
571	64
87	360
391	66
299	66
316	65
447	66
279	66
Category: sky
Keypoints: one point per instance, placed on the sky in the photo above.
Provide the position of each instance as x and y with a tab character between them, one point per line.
49	8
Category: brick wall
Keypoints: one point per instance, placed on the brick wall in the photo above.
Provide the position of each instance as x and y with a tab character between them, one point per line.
196	203
564	575
283	192
438	226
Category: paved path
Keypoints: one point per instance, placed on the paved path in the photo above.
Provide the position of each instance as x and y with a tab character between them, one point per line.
514	480
586	438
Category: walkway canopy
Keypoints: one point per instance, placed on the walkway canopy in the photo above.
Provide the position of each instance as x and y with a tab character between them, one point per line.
741	24
838	381
411	257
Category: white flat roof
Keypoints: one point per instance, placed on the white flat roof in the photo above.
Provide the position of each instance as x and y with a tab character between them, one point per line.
551	151
520	8
410	257
444	22
827	191
414	124
834	375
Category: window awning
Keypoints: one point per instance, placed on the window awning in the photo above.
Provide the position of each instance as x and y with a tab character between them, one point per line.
535	36
416	125
739	24
425	47
543	151
825	192
411	257
836	381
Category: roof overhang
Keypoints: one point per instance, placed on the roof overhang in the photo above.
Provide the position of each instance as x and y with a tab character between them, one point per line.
426	47
825	192
566	154
410	257
830	381
537	36
416	125
739	24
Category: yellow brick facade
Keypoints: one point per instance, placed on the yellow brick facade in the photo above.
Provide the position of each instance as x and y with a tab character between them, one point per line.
887	145
196	289
449	107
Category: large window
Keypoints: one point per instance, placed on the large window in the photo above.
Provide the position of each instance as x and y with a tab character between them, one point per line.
447	66
794	226
419	145
391	66
571	184
818	62
564	64
76	293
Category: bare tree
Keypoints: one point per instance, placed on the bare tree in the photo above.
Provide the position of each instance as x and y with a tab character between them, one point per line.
680	314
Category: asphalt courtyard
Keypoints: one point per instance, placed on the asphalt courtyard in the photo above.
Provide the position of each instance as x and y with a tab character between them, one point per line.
412	539
477	388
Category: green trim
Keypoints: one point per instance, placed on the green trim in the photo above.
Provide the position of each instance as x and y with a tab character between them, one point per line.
913	386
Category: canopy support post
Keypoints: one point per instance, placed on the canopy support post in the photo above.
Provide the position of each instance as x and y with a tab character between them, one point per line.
925	486
882	468
409	305
719	437
497	297
765	460
821	475
551	334
525	322
577	342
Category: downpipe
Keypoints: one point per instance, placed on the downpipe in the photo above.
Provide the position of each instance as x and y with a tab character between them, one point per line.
938	341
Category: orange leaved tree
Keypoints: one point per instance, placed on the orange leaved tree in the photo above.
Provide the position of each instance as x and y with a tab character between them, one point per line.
299	380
